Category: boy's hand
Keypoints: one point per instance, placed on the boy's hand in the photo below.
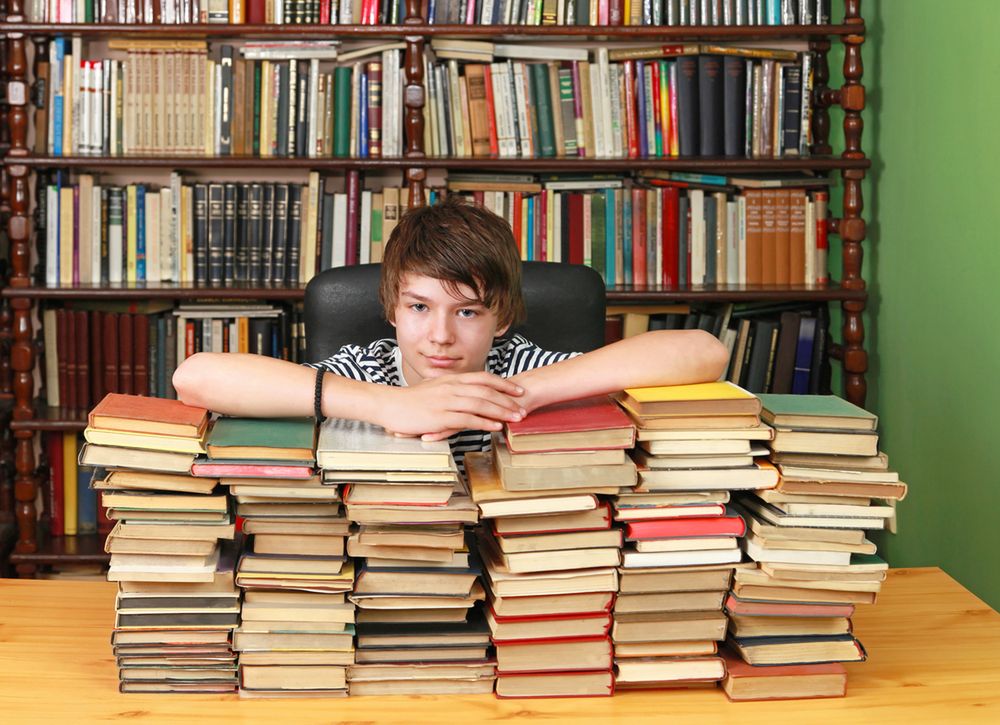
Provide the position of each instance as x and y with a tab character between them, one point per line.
440	407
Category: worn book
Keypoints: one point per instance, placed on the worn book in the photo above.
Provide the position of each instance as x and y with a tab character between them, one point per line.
798	650
744	682
759	475
664	670
132	458
828	412
593	519
144	441
545	655
355	445
830	442
142	414
704	399
129	480
262	439
585	424
556	684
553	479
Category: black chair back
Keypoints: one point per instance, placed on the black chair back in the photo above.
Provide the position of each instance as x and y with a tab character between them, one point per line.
565	308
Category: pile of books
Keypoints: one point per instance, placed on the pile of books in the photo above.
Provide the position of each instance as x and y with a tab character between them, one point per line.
296	635
170	553
814	563
696	444
549	550
418	630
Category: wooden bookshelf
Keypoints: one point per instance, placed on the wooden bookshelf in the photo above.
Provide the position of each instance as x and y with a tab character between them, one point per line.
21	292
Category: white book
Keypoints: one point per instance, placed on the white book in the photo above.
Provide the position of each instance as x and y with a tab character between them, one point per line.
152	236
95	235
168	246
84	220
116	248
793	556
217	324
741	239
607	102
556	228
77	86
51	238
696	199
279	11
347	12
353	445
100	106
552	51
217	111
365	233
521	100
112	107
339	256
639	559
84	93
732	243
810	252
598	102
310	223
313	116
174	220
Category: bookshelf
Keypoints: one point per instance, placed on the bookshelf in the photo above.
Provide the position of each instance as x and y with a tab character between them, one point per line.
22	292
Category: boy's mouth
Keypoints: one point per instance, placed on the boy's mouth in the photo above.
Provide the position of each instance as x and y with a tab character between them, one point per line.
441	361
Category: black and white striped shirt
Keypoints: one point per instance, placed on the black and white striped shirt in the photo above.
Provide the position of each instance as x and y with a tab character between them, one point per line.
380	363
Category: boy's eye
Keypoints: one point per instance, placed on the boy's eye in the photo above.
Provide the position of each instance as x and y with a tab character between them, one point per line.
418	307
467	313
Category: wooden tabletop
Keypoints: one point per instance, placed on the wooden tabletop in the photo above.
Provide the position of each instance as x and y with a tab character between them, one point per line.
934	656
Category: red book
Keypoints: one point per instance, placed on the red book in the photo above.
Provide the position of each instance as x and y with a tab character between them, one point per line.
54	446
143	414
638	236
189	343
833	673
140	359
111	382
748	608
547	627
542	236
574	202
374	71
491	109
250	470
96	356
671	236
615	12
82	331
631	120
585	424
257	11
515	224
69	352
125	354
353	215
821	199
685	527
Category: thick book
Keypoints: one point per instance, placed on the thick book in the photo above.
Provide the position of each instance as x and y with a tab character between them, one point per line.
142	414
798	650
826	412
744	682
688	105
556	684
588	423
263	439
355	445
523	478
711	105
720	398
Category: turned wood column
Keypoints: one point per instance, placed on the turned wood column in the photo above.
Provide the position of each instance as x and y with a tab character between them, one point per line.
413	99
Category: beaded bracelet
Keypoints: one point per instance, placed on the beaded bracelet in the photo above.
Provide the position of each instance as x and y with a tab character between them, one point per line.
318	398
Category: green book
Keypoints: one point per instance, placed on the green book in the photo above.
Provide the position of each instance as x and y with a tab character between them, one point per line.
284	439
598	260
256	108
342	111
543	105
830	412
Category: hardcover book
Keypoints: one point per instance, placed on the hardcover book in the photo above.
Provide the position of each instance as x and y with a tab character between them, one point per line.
141	414
588	423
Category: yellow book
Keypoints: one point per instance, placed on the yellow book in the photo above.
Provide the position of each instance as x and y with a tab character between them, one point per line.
70	502
147	441
720	398
66	220
130	234
210	130
187	234
243	333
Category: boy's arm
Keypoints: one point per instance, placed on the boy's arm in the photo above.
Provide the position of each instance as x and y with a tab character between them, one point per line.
660	357
259	386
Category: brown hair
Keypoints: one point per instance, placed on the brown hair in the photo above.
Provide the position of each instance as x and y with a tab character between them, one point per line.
460	244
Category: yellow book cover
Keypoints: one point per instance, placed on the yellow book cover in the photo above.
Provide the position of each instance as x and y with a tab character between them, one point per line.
70	502
705	399
66	217
699	391
146	441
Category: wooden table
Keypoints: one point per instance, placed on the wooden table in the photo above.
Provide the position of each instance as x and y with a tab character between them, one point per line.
934	656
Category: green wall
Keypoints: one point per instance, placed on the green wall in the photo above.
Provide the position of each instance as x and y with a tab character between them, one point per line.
932	258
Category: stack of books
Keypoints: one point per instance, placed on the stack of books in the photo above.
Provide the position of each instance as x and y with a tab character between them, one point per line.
297	627
176	605
549	550
808	537
418	630
695	446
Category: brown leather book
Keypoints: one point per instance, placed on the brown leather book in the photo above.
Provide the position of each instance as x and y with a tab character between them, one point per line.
769	239
239	107
96	356
797	236
41	102
782	237
140	357
62	354
82	331
755	239
478	109
111	381
126	381
69	352
784	357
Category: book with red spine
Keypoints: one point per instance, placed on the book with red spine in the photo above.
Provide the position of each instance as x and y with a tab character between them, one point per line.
126	352
574	206
69	352
82	333
671	238
374	71
631	130
251	470
569	663
584	416
140	360
257	11
55	502
97	372
686	527
353	184
749	608
112	384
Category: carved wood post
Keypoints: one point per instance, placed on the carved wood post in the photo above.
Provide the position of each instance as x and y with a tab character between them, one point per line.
821	99
413	98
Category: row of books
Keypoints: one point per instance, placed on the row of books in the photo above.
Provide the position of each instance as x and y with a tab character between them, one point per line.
92	349
232	12
675	100
172	98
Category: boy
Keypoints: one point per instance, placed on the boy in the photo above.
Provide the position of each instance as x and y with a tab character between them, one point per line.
451	284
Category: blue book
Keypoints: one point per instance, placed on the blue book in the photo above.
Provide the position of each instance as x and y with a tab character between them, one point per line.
803	355
640	102
529	242
627	237
86	502
773	12
140	233
609	236
363	117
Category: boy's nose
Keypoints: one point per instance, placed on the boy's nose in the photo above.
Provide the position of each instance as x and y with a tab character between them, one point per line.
441	330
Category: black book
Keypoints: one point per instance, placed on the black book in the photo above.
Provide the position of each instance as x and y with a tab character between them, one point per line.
284	336
711	86
784	356
326	232
819	369
283	107
240	273
293	105
267	232
711	228
170	364
279	235
765	338
105	266
229	234
254	233
260	336
216	233
226	102
295	194
792	109
734	102
302	111
687	106
200	234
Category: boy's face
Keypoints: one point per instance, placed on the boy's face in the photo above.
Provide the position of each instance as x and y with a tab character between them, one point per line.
439	333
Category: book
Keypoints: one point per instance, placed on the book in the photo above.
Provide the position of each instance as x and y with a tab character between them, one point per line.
142	414
720	398
798	650
523	478
264	439
825	412
744	682
583	653
587	424
143	441
662	669
355	445
149	460
556	684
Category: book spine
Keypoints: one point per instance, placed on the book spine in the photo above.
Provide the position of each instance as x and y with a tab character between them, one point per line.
279	235
229	233
374	73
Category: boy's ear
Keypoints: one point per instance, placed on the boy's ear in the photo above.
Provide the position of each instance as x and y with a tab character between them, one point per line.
501	331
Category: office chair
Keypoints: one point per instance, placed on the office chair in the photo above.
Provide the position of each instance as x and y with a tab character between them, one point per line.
565	308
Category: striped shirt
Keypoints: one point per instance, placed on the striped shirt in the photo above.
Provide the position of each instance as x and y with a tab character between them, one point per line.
381	361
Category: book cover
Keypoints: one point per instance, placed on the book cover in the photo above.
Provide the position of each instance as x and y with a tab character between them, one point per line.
262	438
148	415
576	424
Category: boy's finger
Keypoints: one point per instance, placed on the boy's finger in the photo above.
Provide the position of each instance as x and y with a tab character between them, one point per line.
486	407
495	382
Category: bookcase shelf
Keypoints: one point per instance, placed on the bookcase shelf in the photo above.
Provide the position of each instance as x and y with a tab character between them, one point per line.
583	165
81	549
19	169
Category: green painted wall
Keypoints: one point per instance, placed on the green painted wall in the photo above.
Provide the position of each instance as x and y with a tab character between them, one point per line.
932	258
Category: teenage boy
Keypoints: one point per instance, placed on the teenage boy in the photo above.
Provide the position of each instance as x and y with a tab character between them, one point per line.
451	285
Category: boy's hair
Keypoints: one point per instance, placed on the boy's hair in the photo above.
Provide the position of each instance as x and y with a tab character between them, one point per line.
460	244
